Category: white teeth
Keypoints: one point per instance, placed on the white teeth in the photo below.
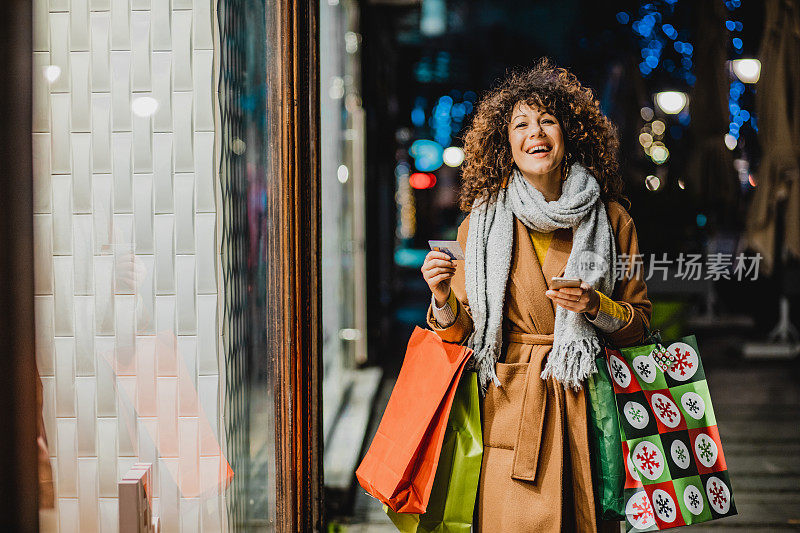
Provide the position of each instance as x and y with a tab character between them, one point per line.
539	149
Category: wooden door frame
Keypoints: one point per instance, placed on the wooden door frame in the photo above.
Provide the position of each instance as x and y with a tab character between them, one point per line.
19	490
298	450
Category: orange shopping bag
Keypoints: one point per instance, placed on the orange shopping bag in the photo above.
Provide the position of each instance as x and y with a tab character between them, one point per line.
401	462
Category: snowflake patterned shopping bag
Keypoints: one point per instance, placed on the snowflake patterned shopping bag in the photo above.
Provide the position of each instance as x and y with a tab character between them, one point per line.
676	473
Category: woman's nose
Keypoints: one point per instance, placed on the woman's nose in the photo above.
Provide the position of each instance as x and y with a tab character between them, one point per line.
535	131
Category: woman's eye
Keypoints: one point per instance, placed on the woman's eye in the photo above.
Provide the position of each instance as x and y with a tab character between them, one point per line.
548	121
520	125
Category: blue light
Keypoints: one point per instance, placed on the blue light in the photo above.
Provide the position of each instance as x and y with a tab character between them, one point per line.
445	101
623	17
470	96
687	49
701	220
686	63
734	108
645	69
731	25
739	26
678	45
468	107
652	61
753	123
418	117
738	120
427	155
684	118
737	43
669	31
745	115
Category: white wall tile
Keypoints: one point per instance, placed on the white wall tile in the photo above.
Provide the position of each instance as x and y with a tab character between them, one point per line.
109	514
162	173
166	344
145	302
120	25
104	294
124	260
80	92
140	37
202	37
81	172
106	377
101	51
125	339
67	457
123	177
41	93
162	24
65	376
59	50
100	5
107	456
169	495
187	295
162	91
206	253
41	25
184	214
79	25
203	87
168	417
101	133
143	212
190	515
84	336
120	89
62	214
45	354
126	416
205	171
43	254
103	214
82	253
69	515
182	49
137	5
60	134
49	414
42	186
87	495
208	387
189	455
142	144
165	254
86	389
148	437
187	376
62	295
182	139
207	334
146	376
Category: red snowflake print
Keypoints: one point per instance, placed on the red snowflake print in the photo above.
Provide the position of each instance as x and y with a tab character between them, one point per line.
717	494
665	410
643	510
648	459
682	362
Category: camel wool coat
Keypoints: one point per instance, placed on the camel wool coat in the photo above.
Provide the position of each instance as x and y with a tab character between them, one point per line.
536	474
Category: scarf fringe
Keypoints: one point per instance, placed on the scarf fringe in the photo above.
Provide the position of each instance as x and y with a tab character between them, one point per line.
484	362
571	363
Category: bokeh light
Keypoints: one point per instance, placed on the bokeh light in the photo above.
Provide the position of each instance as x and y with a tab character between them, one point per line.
453	156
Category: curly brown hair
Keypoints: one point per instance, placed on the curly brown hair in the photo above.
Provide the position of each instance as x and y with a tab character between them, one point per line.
590	137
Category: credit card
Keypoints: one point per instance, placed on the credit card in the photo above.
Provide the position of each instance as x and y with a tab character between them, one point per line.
451	248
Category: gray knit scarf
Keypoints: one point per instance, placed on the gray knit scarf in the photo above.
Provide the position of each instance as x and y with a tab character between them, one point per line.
488	261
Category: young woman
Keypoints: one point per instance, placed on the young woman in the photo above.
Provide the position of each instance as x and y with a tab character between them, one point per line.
542	186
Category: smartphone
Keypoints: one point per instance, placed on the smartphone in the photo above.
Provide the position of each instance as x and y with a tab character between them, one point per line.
560	283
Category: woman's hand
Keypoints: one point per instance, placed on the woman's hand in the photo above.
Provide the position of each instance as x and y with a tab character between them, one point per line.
583	299
438	269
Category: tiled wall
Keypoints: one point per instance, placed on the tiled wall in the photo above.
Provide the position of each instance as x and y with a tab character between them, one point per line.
126	263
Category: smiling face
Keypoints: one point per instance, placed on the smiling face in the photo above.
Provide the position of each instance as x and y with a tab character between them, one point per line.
537	142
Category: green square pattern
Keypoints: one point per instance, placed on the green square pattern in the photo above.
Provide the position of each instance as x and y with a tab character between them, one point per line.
684	499
694	400
632	355
656	441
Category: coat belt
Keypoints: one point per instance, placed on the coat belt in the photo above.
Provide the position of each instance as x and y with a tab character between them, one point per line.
534	410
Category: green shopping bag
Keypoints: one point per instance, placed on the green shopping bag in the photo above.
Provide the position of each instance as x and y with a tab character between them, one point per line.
455	485
607	459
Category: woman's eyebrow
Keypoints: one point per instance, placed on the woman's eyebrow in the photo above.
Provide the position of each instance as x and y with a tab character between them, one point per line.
516	117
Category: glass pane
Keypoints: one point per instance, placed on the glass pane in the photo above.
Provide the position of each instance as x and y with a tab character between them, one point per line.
156	302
